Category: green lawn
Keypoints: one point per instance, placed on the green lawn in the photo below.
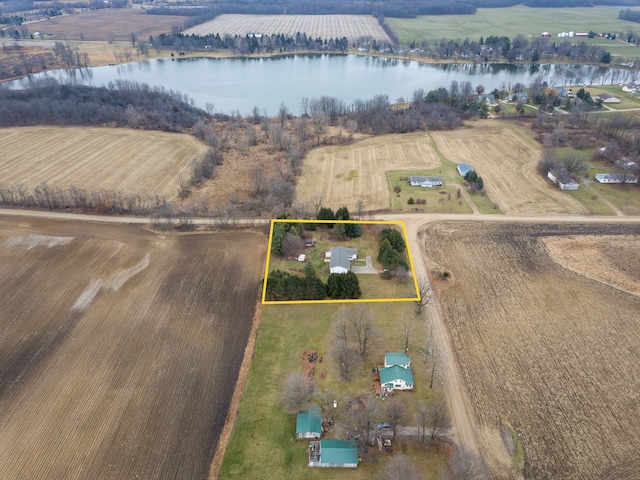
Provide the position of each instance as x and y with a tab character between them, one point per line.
438	200
263	444
627	100
625	197
513	21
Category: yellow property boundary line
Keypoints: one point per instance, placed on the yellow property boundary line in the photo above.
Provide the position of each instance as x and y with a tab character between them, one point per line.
358	300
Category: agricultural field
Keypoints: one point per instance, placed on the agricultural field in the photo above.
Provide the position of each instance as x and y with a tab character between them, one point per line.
120	348
546	340
107	25
324	26
516	20
344	174
129	161
506	160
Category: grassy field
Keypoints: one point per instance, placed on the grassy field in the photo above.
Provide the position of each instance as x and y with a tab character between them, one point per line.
627	100
324	26
263	444
443	199
129	161
546	340
513	21
120	348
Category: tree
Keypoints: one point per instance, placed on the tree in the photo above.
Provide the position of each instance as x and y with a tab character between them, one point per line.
394	237
572	162
283	114
345	358
396	414
480	89
363	419
439	421
400	467
342	213
356	325
343	285
292	245
422	418
388	256
297	391
325	213
466	465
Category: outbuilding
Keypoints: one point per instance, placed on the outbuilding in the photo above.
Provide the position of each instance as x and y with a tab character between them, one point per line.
333	453
607	98
616	178
309	423
464	168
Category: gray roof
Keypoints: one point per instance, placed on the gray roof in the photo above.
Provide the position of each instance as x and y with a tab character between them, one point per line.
463	168
340	257
425	179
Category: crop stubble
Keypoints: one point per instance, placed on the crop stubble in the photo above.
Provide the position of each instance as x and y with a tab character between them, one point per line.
507	164
551	351
129	161
136	382
325	26
342	175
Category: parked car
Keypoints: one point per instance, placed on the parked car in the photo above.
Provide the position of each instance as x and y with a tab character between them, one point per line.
384	426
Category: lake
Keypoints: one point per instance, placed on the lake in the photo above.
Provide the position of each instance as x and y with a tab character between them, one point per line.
239	84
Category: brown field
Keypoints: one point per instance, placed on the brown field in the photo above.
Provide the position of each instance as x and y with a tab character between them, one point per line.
506	161
552	351
324	26
119	348
130	161
107	25
344	174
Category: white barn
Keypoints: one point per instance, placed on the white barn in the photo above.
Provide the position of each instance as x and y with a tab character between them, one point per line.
565	183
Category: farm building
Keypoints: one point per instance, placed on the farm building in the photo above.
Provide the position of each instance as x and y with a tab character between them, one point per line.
397	373
616	178
563	181
607	98
426	182
309	423
341	258
464	168
333	453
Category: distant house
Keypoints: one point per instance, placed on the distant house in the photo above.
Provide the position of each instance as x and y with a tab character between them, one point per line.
616	178
607	98
426	182
397	373
488	99
309	423
341	258
563	92
563	181
464	168
333	453
545	34
519	97
625	163
632	87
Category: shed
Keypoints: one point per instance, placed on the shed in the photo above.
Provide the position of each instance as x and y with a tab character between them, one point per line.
396	358
309	423
616	178
562	180
607	98
341	259
396	378
464	168
426	182
334	453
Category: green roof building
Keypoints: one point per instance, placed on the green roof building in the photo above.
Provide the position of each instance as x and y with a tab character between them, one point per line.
335	453
309	423
395	358
396	378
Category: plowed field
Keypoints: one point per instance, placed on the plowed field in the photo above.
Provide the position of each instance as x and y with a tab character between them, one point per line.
324	26
506	161
552	351
129	161
344	174
119	348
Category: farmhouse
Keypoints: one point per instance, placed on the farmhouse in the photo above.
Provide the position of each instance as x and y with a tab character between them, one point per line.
607	98
333	453
309	423
519	97
464	168
341	258
563	181
616	178
489	99
425	182
397	373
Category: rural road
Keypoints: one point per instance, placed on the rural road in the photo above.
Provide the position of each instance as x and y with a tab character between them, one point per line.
459	406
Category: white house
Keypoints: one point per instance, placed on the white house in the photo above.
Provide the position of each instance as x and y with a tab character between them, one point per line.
396	358
564	182
341	258
425	182
397	373
616	178
607	98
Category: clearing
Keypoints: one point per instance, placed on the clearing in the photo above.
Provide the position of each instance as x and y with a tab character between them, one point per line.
324	26
128	161
549	350
344	174
120	348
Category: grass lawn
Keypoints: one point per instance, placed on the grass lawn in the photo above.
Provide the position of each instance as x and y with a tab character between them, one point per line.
627	100
438	200
625	197
590	200
263	444
484	204
514	21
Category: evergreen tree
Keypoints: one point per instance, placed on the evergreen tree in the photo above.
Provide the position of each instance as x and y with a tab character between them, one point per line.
395	239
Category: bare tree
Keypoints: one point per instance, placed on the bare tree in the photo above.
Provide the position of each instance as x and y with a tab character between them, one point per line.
363	418
359	208
320	124
422	418
572	162
400	467
396	415
358	326
439	421
283	114
424	289
292	245
407	327
297	391
345	358
466	465
401	273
